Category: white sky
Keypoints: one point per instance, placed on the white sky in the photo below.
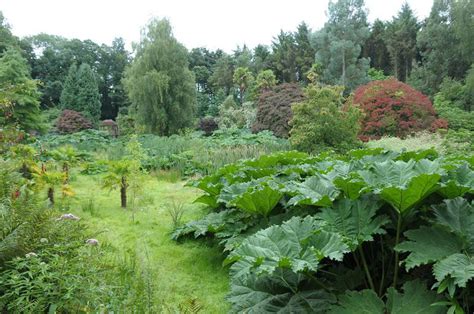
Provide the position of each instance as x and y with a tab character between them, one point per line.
196	23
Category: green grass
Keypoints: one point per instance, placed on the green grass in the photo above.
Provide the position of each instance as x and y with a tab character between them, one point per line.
172	273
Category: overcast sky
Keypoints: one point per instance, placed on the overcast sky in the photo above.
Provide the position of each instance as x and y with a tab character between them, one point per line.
196	23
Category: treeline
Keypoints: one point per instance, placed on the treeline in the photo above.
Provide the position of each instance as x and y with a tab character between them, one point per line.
98	80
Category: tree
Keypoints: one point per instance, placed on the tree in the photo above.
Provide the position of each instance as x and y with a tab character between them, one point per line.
304	53
265	80
400	39
319	122
113	61
18	93
223	74
284	57
243	79
274	108
375	48
463	24
338	44
261	58
159	83
393	108
6	37
81	92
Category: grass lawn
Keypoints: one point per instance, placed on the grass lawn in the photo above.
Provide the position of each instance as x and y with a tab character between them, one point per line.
172	273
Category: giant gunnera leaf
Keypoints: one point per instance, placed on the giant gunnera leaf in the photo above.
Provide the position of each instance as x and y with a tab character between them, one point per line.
259	198
457	182
281	293
298	244
416	299
354	220
317	190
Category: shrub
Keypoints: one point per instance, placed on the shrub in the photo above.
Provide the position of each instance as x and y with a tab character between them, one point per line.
274	109
319	122
208	125
393	108
233	116
71	121
419	141
456	117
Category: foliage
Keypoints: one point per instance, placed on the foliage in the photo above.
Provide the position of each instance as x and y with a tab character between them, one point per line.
417	142
456	117
274	109
300	240
71	121
81	92
243	79
208	125
265	80
159	84
233	116
400	38
338	44
393	108
19	96
319	123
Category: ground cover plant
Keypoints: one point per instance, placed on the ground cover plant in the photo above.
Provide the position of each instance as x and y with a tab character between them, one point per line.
314	234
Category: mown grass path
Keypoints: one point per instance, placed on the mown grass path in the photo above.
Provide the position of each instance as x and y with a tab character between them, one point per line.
173	273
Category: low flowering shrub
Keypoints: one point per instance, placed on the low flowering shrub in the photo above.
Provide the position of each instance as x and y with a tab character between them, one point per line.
393	108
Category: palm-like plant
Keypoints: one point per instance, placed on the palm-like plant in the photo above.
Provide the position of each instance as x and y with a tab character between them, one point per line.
117	178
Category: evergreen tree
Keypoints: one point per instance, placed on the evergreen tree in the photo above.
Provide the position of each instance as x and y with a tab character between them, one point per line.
375	48
304	53
159	83
81	92
401	42
338	44
223	74
19	96
261	58
284	57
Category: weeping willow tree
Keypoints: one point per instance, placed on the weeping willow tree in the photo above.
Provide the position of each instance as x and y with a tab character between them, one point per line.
159	83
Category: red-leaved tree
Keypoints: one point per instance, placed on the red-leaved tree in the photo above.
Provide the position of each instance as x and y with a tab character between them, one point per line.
393	108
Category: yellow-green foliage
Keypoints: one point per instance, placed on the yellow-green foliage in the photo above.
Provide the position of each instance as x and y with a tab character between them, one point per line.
320	123
419	141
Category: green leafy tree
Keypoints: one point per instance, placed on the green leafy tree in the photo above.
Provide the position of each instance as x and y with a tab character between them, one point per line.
319	122
339	43
160	86
243	79
261	58
81	92
463	23
223	74
19	94
6	37
265	80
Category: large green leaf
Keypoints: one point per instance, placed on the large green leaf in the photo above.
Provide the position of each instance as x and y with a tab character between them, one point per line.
416	299
259	199
277	294
298	244
460	267
317	190
457	182
360	302
458	216
404	197
355	220
428	245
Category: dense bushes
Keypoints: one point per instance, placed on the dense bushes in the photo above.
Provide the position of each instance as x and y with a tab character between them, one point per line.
208	125
274	108
457	118
319	123
71	121
393	108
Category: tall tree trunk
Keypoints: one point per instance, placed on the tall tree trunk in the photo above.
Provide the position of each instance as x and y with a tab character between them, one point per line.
51	195
123	192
